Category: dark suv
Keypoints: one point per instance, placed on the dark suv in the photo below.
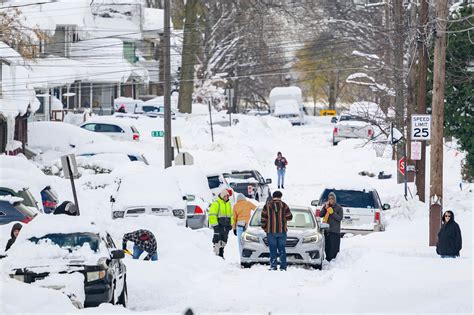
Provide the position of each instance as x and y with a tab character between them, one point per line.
83	248
250	183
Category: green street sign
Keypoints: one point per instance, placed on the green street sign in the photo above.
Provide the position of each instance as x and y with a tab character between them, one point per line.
157	133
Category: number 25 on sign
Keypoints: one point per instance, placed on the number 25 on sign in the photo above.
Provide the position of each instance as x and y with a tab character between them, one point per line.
420	127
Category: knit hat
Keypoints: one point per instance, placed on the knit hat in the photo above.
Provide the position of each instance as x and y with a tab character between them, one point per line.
241	197
333	195
224	193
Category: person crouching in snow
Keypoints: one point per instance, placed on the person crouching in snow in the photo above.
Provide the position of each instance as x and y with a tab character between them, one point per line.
14	234
449	237
221	220
242	210
144	241
332	214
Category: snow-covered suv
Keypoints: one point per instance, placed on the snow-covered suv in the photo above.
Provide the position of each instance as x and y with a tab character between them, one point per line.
351	127
70	254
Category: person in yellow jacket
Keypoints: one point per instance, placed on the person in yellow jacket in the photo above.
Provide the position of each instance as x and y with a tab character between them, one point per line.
221	220
242	211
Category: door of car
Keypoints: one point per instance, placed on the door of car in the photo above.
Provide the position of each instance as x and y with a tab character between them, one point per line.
117	265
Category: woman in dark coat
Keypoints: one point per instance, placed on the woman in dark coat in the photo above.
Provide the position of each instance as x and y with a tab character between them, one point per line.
14	234
449	237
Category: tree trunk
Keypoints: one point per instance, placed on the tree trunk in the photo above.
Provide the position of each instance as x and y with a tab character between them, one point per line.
398	65
188	59
437	112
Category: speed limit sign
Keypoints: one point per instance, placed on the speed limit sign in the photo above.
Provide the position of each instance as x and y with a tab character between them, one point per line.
420	127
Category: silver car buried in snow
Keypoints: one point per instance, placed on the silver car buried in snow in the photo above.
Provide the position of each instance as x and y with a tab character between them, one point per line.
304	243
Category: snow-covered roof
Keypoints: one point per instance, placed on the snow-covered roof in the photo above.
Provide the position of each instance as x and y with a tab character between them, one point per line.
115	27
285	91
55	71
154	20
17	93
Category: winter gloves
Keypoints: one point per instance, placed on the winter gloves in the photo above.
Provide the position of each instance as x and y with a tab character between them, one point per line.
329	211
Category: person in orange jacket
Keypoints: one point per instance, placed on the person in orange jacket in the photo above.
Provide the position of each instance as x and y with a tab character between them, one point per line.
242	211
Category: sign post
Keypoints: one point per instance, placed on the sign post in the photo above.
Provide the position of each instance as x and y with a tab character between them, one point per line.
70	171
210	120
184	158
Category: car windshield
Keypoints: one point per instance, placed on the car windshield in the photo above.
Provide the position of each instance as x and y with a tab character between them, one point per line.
71	240
243	175
351	198
301	219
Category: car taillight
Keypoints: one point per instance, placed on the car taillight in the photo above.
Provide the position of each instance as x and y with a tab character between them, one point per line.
369	132
230	191
198	210
335	130
377	217
49	204
136	136
250	190
318	212
26	220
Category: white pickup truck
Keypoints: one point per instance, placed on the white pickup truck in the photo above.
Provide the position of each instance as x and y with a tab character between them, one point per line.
351	127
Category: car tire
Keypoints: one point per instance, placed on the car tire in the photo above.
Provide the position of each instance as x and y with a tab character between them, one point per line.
123	298
246	265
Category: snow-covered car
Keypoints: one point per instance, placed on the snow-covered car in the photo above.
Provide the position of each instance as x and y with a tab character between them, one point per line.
115	128
304	242
111	149
70	254
19	189
250	183
351	127
12	210
192	184
154	111
363	210
149	191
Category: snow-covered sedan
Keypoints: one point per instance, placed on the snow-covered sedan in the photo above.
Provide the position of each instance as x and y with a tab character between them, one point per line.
70	254
363	210
351	127
304	243
114	128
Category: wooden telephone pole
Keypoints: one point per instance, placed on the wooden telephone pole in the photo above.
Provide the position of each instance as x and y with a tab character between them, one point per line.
421	97
437	111
167	86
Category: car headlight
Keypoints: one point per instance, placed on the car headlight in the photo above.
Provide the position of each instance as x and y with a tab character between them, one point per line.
95	275
118	214
250	238
18	277
178	213
311	239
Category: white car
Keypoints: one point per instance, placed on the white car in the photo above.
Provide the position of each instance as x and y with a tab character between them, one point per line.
351	127
116	129
363	210
149	191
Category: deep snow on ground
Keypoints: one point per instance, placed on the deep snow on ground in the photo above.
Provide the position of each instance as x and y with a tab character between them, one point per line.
392	271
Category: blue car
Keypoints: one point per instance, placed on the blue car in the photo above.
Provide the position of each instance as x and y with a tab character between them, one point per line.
16	211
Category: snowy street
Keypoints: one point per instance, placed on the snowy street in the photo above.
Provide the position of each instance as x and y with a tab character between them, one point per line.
379	272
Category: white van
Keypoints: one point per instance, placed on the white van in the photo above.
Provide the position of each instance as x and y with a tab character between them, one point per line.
288	109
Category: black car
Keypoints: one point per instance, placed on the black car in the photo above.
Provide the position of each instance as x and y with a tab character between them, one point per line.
102	266
250	183
16	211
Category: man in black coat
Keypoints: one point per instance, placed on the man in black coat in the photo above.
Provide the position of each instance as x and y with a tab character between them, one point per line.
449	237
332	214
14	234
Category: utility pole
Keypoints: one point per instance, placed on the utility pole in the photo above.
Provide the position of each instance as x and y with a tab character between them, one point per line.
437	112
167	85
421	97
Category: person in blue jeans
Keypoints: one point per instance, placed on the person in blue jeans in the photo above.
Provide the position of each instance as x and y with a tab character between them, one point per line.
144	241
275	215
281	163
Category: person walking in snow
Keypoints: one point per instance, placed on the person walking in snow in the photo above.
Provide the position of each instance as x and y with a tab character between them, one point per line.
332	214
221	220
144	241
275	215
14	234
449	237
242	211
281	163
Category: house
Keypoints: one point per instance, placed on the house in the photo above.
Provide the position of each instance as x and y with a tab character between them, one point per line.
17	101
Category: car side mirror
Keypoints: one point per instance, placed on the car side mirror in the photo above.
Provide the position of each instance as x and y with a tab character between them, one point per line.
112	199
385	206
268	181
118	254
315	203
324	226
